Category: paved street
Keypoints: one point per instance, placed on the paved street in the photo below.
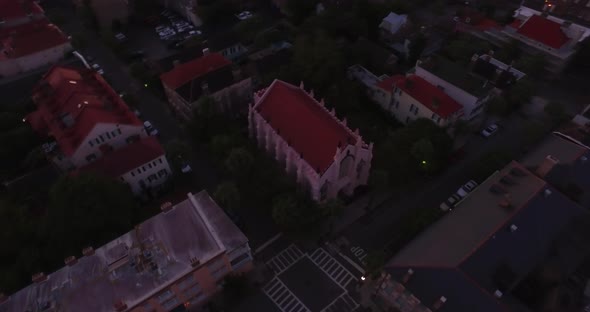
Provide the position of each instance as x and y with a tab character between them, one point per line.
375	229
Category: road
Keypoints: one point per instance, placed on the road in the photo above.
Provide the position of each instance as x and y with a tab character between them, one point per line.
376	229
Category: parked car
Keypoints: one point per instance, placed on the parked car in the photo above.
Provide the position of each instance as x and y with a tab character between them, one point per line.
490	130
98	69
244	15
150	128
450	203
121	37
467	188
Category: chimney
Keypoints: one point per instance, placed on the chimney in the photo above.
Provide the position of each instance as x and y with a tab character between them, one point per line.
39	277
88	251
205	51
205	88
439	303
513	228
195	262
165	207
120	306
176	63
498	294
407	276
70	261
548	163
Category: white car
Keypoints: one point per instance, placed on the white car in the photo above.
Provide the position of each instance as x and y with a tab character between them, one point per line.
160	28
167	33
490	130
99	70
150	128
244	15
467	188
450	203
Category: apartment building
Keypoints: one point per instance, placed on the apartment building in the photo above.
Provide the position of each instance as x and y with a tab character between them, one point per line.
88	127
309	140
210	75
411	97
27	39
175	260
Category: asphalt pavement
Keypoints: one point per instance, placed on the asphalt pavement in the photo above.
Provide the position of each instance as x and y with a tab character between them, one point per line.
377	228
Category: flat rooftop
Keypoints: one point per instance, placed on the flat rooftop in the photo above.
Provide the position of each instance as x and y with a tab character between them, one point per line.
453	238
138	264
563	150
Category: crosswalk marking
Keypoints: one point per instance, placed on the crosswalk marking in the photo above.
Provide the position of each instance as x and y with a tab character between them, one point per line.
344	303
332	267
283	297
285	259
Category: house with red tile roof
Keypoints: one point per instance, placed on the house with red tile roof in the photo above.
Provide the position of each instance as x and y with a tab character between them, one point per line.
210	75
411	97
540	33
88	127
305	137
31	45
18	12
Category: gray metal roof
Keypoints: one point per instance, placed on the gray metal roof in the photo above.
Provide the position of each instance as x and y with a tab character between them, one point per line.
565	151
454	237
138	264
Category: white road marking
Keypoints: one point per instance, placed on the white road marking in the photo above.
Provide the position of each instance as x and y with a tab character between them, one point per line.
280	294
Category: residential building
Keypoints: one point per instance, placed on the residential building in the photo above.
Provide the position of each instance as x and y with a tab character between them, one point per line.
369	80
176	259
326	157
468	89
88	127
211	75
377	58
15	13
541	34
27	39
500	74
107	11
411	97
495	251
394	25
227	44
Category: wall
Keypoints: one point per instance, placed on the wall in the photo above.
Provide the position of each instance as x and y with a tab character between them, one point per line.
472	106
10	67
235	98
141	173
179	105
406	109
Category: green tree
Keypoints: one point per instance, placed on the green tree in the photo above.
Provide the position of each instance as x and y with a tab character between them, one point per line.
489	163
332	207
532	65
498	106
374	261
556	112
299	10
295	214
227	195
239	162
509	52
520	93
88	16
417	46
248	29
423	151
177	152
235	288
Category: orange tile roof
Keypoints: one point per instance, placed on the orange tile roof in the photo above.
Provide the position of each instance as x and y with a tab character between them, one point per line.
29	38
545	31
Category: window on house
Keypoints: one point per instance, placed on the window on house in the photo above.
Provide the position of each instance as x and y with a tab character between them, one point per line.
416	111
235	263
149	165
114	133
396	104
162	173
186	282
97	141
345	166
411	107
164	296
122	179
152	177
101	138
171	304
407	119
108	135
192	291
160	160
433	116
438	119
139	171
143	168
90	143
359	168
119	130
132	174
90	157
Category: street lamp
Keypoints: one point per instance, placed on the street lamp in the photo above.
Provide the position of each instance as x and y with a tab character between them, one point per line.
363	278
145	85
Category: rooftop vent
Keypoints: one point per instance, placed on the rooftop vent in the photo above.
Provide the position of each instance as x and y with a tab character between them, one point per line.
120	306
498	189
165	207
88	251
498	294
517	172
506	180
439	303
513	228
548	163
71	260
39	277
195	262
547	192
408	275
206	51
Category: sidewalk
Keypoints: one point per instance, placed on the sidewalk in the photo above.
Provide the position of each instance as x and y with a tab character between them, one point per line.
357	209
365	295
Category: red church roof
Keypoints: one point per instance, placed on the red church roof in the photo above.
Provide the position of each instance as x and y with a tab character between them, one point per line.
544	31
29	38
127	158
13	9
310	129
425	93
187	72
84	99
